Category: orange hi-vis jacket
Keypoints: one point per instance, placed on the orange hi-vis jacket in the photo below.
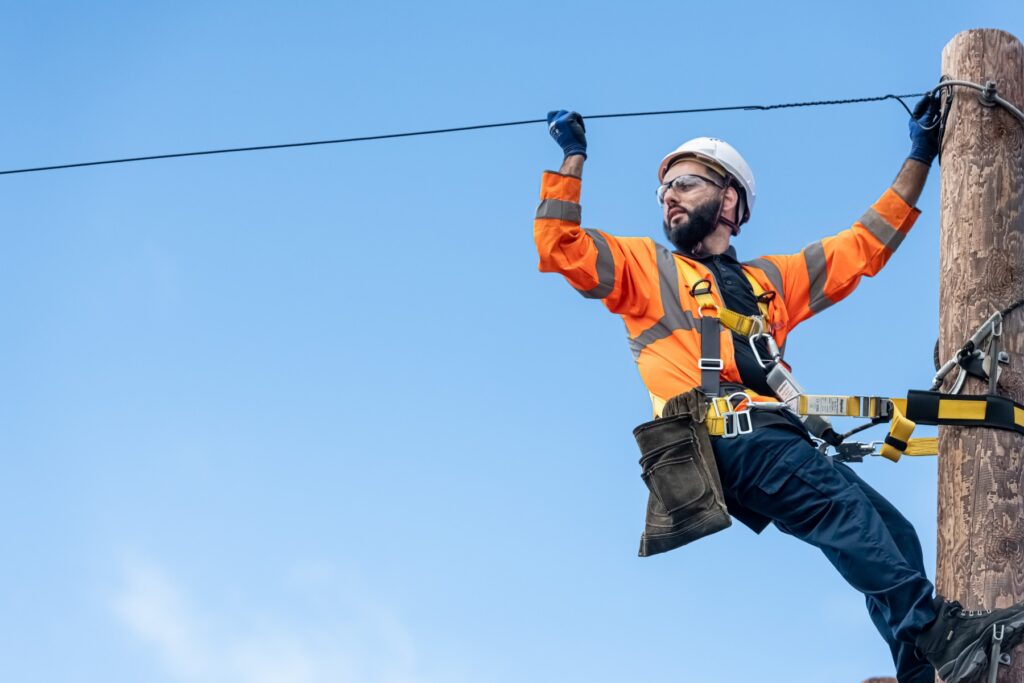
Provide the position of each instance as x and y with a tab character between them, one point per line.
640	280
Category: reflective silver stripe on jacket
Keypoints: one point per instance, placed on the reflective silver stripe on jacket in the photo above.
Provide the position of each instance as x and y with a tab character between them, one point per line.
674	317
605	268
889	236
817	273
771	270
560	210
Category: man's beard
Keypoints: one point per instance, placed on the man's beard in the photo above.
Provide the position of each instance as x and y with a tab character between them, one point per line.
699	224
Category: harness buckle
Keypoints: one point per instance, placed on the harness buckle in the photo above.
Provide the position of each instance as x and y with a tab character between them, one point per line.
885	409
744	423
736	424
710	364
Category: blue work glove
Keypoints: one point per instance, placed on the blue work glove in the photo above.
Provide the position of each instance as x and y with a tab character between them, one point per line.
924	130
567	128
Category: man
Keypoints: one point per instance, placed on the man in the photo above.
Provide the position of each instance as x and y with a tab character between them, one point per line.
772	473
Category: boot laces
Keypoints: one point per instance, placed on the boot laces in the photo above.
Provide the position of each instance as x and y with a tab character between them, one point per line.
957	610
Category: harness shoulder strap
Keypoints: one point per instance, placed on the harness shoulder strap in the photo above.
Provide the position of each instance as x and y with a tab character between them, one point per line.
691	276
762	301
710	361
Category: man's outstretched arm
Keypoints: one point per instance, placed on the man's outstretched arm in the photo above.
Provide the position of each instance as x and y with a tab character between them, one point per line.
621	271
827	271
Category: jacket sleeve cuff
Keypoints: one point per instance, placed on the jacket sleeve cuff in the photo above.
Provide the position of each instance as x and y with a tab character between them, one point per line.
559	186
896	211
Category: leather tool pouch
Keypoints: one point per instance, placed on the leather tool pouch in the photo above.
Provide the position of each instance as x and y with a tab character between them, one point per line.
678	466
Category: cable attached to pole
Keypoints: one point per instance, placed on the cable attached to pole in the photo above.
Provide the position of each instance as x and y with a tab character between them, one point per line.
989	95
458	129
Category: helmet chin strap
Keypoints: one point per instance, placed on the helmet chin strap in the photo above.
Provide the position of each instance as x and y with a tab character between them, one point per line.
734	229
719	218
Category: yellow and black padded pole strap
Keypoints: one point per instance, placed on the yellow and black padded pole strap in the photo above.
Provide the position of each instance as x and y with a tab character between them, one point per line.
935	408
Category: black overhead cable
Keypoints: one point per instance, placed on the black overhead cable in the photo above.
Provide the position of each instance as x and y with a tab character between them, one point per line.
436	131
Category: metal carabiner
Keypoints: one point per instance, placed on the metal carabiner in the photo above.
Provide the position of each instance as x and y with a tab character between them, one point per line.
773	347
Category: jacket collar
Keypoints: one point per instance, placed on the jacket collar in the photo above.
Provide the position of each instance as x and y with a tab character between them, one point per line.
729	253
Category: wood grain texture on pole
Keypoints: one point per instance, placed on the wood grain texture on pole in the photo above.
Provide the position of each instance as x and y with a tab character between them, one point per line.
981	525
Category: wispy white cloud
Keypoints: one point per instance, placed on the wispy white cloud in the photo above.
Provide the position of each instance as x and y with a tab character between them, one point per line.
152	608
197	643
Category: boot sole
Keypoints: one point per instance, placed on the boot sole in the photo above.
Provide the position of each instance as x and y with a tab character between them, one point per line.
970	664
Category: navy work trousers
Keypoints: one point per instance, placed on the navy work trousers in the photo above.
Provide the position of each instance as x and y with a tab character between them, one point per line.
775	472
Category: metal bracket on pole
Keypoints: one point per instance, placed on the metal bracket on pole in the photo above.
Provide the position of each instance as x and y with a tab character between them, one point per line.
987	97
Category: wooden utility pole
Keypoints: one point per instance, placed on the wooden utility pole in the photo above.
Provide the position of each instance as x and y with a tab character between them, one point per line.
981	470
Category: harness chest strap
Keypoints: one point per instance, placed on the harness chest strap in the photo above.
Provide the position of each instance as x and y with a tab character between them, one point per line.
742	325
711	316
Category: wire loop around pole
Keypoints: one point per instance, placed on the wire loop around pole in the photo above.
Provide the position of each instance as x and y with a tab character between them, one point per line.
988	92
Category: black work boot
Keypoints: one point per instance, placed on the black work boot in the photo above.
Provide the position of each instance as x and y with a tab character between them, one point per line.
958	642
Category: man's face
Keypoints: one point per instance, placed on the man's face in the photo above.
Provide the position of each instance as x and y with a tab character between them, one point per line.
689	215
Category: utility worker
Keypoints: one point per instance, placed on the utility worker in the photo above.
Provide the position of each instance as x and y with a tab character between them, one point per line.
770	472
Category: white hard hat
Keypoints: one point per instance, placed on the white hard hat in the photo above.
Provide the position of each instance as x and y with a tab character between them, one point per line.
722	156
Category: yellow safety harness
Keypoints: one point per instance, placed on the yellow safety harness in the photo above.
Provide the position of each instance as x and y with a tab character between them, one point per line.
728	417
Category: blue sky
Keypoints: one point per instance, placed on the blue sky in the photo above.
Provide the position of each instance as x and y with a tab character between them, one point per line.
313	415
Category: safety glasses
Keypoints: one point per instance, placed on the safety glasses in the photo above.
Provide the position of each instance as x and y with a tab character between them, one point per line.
683	184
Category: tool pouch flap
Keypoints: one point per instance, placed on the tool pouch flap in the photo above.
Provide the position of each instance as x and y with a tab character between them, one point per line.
678	466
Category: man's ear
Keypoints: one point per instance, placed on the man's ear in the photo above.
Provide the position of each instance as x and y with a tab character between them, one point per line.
730	200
